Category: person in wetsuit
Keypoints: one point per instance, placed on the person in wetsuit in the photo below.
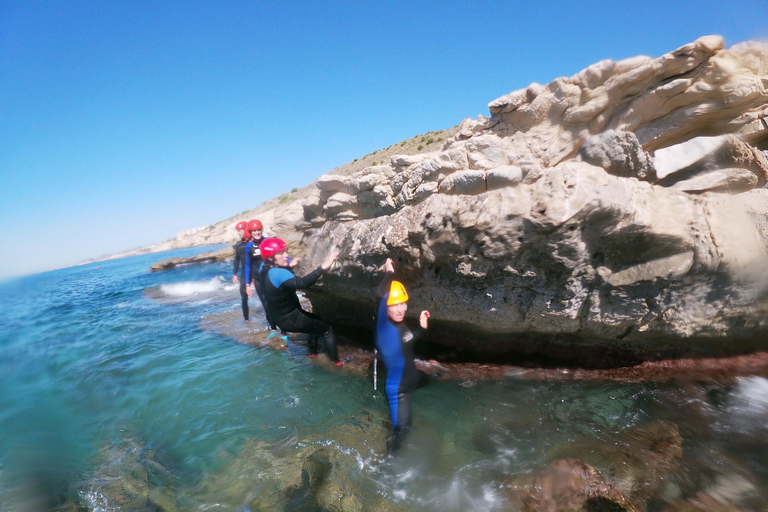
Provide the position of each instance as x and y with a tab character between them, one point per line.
279	285
396	341
241	257
252	266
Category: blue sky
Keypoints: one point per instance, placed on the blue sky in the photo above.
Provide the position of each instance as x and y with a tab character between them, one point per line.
122	123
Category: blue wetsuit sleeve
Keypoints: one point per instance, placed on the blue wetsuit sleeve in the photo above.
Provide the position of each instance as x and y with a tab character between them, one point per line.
248	262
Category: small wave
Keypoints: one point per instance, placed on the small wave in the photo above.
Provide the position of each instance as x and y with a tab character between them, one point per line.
189	288
751	396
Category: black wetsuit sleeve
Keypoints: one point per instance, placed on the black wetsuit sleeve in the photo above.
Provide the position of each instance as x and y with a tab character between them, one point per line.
385	285
237	261
300	283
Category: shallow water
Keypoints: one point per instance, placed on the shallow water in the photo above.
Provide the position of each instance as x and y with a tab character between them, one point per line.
113	397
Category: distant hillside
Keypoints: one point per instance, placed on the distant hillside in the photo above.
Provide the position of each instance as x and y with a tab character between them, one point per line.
221	232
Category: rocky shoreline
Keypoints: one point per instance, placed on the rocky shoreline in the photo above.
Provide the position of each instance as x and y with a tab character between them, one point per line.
715	370
605	219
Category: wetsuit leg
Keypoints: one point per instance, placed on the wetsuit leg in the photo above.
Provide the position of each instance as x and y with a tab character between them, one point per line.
400	408
263	300
309	323
400	397
312	344
244	299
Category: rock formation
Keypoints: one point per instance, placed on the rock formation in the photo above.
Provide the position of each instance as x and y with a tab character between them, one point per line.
618	212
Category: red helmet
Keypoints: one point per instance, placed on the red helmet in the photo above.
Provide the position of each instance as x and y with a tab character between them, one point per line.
270	246
241	225
253	225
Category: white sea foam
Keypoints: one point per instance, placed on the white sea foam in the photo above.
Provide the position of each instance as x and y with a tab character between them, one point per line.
746	409
188	288
751	397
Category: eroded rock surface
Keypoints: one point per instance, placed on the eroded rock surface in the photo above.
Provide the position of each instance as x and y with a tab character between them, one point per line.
613	216
548	227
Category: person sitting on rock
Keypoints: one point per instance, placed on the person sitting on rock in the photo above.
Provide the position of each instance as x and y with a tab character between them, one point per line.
252	268
395	341
279	285
241	257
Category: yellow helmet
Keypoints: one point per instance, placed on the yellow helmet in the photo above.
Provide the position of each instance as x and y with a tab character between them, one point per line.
397	294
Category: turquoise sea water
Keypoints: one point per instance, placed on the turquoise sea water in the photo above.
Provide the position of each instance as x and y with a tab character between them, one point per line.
114	395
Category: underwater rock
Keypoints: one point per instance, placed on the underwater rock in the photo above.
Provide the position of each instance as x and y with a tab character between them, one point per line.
308	473
565	485
129	478
639	460
703	503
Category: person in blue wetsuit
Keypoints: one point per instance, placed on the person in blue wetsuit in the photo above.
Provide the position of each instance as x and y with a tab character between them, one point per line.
396	341
241	257
279	285
253	264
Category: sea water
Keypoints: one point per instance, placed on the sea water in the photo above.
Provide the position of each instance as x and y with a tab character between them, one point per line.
114	395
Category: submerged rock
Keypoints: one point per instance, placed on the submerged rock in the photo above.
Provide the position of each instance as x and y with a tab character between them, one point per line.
566	485
128	478
299	474
621	474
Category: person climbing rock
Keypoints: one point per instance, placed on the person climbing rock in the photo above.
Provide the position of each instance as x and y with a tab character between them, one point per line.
396	342
279	285
241	257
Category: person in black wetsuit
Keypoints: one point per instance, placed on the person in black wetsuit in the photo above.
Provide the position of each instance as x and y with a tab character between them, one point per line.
241	257
396	341
279	285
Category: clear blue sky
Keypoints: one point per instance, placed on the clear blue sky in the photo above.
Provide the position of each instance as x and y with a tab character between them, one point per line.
122	123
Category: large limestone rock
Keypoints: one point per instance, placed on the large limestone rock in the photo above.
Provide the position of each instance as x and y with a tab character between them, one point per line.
553	226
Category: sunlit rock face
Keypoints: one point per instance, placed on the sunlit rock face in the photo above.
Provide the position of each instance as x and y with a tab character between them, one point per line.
620	211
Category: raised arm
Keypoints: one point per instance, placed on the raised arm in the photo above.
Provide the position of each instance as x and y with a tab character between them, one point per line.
389	274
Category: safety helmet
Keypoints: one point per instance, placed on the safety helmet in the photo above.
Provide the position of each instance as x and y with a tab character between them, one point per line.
241	225
397	294
253	225
270	246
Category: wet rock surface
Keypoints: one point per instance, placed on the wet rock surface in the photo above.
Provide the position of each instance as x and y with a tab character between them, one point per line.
359	353
206	257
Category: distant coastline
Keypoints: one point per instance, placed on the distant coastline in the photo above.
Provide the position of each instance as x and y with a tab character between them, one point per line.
221	232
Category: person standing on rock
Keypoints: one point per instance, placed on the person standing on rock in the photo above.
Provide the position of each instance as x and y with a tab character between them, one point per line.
241	257
253	264
279	285
395	341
